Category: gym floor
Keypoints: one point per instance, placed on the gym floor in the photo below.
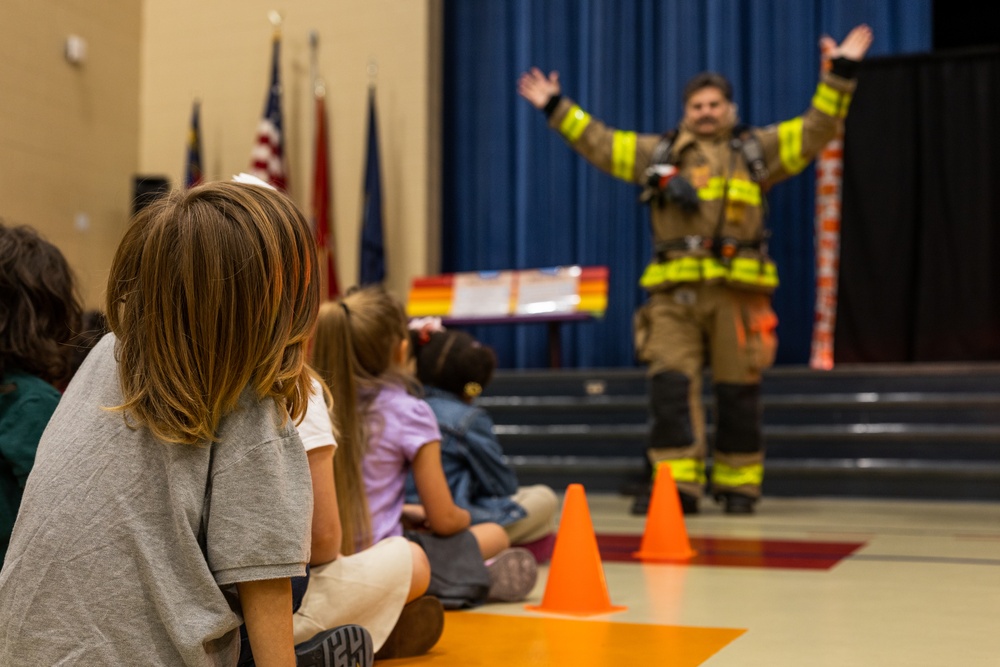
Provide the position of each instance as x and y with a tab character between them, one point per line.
838	582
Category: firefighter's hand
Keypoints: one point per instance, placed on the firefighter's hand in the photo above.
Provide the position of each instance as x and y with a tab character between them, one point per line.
537	88
854	46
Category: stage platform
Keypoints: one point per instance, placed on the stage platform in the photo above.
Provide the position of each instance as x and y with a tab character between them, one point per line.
928	431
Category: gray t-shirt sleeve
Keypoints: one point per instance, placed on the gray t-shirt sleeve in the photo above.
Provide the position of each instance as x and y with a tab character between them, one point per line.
259	514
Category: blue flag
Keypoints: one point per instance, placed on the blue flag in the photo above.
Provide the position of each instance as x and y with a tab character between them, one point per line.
193	175
372	243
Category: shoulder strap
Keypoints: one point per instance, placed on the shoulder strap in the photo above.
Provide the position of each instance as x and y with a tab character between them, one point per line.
661	154
746	142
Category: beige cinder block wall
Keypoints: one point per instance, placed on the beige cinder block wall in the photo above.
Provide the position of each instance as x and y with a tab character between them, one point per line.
219	52
69	133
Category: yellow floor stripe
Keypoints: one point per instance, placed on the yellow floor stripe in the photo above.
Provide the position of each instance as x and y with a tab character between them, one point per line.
488	640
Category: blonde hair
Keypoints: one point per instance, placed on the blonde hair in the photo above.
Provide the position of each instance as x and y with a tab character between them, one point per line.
212	291
353	352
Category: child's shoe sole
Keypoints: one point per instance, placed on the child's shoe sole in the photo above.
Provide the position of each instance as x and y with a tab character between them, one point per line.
417	630
343	646
513	573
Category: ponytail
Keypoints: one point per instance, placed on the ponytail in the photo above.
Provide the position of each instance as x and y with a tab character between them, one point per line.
334	360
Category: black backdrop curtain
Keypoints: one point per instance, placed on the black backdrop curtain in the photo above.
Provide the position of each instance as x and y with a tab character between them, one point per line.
515	196
920	244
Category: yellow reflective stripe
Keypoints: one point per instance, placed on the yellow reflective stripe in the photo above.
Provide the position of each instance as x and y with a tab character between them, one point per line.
790	141
683	470
575	122
623	154
726	475
753	272
831	101
744	270
713	190
747	192
680	270
713	269
739	190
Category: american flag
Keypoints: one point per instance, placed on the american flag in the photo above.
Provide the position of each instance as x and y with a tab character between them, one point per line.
267	160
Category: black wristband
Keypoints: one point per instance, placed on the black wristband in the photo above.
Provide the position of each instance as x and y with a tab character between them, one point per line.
844	68
551	105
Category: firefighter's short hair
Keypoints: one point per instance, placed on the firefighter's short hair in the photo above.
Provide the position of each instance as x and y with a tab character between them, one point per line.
708	80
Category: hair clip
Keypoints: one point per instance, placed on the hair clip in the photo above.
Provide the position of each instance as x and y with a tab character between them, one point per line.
472	389
250	179
424	336
432	324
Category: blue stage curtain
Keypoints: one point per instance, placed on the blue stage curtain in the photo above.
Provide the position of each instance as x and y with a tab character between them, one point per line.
515	196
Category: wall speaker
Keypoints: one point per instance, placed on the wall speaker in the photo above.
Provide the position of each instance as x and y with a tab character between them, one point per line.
146	189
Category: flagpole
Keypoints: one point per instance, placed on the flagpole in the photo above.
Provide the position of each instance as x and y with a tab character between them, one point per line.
319	86
372	73
319	92
321	195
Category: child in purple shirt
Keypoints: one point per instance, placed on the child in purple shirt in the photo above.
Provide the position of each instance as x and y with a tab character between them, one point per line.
384	431
399	425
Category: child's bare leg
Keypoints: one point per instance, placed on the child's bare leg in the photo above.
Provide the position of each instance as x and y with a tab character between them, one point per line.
421	577
492	538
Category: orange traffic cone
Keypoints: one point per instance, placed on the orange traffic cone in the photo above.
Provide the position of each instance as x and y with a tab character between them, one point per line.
665	538
576	582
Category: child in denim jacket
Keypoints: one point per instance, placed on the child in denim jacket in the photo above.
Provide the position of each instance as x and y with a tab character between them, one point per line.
454	369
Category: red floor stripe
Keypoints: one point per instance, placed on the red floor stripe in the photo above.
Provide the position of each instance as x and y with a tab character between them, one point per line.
729	552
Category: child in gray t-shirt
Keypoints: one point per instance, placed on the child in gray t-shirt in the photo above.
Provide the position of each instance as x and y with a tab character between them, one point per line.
169	502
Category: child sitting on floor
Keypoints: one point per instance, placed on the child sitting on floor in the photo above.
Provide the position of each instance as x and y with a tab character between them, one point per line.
165	507
380	588
454	369
361	350
39	314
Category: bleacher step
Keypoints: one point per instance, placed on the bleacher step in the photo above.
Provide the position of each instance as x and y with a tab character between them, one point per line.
924	431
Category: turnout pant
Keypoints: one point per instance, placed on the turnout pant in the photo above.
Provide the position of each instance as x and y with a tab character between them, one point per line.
678	333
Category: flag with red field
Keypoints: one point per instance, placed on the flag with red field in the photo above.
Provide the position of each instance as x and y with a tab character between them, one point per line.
322	204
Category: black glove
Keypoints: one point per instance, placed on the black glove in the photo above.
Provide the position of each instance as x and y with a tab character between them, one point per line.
680	191
844	67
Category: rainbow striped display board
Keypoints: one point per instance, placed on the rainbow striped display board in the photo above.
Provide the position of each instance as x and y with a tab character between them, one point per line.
524	293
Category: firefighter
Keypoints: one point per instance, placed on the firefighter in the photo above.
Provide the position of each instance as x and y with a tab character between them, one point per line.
711	279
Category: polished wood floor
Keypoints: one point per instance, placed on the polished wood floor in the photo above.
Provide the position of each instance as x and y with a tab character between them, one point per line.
803	582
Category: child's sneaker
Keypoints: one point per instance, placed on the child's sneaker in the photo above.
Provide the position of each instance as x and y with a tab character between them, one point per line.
343	646
513	573
417	630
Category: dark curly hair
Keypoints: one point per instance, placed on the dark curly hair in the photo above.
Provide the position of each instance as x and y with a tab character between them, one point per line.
453	361
40	309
